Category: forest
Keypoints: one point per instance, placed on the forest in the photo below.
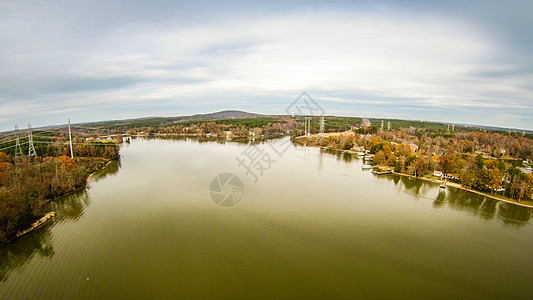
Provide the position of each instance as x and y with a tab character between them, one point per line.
27	183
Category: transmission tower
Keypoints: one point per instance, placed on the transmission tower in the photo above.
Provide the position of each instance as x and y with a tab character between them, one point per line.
388	126
18	149
31	149
70	139
322	124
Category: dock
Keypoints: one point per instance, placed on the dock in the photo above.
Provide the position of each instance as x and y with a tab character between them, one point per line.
381	172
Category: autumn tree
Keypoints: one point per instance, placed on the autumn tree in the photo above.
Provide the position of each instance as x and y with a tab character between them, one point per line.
379	157
5	166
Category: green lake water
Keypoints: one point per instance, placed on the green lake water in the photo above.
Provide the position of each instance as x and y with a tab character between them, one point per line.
313	225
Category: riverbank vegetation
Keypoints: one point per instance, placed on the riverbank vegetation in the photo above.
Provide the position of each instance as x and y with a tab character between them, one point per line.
490	162
26	184
244	127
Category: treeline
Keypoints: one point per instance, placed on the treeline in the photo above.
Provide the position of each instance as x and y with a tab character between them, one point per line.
243	127
162	122
483	161
26	184
248	122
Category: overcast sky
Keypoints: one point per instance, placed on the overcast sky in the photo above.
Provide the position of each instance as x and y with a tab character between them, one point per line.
455	61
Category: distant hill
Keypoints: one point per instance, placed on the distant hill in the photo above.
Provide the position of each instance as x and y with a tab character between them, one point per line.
157	121
225	114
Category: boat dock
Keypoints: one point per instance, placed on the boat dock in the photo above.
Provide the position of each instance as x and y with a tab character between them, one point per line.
381	172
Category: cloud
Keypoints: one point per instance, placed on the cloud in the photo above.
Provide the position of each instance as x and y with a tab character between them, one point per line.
100	61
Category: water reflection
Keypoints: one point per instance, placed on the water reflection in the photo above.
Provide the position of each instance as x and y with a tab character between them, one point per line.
71	207
441	199
478	205
207	140
513	215
411	185
341	155
475	204
199	139
17	253
111	169
14	255
484	207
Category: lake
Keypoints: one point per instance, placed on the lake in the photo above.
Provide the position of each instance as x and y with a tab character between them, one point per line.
286	221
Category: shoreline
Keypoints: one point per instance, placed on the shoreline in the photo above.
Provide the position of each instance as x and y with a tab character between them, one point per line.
448	184
459	186
36	224
51	214
89	177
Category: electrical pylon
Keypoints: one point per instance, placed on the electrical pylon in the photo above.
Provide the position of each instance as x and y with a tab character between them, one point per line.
31	149
18	149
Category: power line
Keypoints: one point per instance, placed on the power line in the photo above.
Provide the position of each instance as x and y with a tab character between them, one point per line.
8	134
44	142
13	146
66	143
37	141
35	130
9	141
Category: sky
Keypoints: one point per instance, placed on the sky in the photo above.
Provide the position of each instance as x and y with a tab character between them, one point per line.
450	61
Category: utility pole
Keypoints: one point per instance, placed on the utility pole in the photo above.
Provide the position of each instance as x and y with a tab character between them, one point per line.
31	149
18	149
308	126
70	139
305	126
